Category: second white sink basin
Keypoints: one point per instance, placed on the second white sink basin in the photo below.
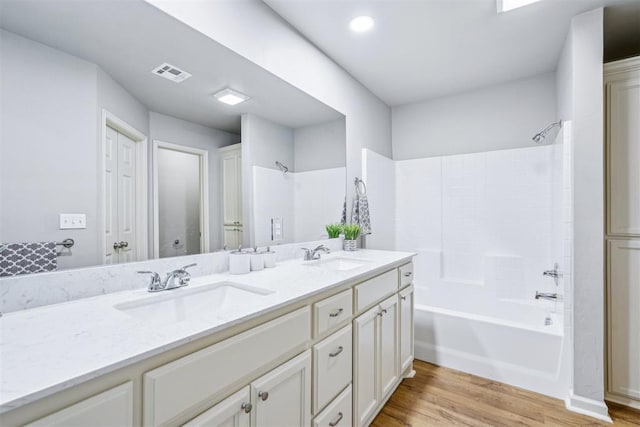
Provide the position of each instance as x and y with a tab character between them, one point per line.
338	263
183	303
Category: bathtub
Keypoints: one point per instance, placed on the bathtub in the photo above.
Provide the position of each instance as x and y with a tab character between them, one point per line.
512	343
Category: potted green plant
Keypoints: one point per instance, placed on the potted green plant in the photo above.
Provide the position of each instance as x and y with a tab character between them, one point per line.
334	230
351	233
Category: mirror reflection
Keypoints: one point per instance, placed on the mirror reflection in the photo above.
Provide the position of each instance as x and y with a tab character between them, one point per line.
114	135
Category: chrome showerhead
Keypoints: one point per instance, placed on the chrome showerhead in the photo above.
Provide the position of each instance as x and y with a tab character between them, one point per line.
282	167
539	137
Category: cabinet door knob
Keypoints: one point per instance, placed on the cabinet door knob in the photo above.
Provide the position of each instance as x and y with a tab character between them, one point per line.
337	352
247	407
335	423
407	274
264	395
336	313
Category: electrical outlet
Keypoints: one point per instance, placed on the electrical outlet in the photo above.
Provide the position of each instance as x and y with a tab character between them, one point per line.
72	221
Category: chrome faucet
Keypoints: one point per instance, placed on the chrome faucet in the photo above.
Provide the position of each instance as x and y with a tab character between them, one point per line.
548	296
313	254
553	273
175	279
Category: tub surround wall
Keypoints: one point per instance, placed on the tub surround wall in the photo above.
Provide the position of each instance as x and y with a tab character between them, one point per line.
31	291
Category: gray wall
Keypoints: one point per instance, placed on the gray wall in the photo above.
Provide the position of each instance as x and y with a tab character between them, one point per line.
170	129
48	145
321	146
493	118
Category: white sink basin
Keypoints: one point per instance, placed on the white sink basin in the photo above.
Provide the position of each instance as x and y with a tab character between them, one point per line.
180	304
339	263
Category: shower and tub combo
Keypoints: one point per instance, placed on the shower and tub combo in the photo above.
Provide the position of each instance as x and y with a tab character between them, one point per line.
492	234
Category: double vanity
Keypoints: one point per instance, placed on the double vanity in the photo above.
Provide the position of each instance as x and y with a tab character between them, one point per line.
308	343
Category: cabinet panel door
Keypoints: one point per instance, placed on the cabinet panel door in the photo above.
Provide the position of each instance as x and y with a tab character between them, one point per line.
283	396
231	412
365	371
406	328
624	318
112	408
623	150
389	365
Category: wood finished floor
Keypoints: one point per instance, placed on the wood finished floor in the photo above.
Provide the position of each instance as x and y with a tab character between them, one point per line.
440	396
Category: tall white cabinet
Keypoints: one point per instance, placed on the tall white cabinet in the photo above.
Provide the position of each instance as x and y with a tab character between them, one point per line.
622	87
231	167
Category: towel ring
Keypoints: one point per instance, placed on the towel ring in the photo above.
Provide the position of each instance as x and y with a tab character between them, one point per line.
360	185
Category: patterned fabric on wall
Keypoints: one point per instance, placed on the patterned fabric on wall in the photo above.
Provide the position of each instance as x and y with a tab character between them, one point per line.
27	258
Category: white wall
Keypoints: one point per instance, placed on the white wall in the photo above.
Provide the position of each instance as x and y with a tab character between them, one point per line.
272	198
378	172
181	132
585	47
493	118
253	30
321	146
48	144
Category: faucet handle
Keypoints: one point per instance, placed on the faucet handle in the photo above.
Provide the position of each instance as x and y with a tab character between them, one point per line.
307	253
156	283
188	266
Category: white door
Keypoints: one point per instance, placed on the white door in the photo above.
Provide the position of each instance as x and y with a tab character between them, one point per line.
388	344
365	372
406	328
282	398
231	188
234	411
232	236
624	318
120	197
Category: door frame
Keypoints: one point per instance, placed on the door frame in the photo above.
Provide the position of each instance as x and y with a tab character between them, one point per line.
141	187
204	192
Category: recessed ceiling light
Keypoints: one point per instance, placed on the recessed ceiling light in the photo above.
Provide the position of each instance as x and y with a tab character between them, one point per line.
360	24
230	96
507	5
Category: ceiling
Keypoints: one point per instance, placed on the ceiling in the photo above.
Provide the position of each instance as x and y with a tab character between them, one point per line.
130	38
422	49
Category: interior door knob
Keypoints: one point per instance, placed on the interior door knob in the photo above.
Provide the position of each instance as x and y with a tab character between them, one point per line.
124	244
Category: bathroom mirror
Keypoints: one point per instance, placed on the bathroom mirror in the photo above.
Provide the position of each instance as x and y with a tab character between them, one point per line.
111	136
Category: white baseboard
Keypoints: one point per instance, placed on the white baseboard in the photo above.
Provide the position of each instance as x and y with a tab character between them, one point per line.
589	407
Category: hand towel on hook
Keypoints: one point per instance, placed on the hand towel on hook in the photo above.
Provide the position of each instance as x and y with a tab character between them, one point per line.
360	209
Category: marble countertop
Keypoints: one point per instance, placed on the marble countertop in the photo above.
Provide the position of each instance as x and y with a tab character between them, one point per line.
52	348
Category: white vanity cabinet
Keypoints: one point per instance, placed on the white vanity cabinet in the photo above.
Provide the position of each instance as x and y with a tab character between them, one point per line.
283	396
234	411
113	407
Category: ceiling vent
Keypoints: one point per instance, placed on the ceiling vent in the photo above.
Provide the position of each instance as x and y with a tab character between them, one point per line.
172	73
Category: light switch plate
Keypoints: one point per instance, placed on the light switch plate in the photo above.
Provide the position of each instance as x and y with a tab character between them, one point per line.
72	221
276	229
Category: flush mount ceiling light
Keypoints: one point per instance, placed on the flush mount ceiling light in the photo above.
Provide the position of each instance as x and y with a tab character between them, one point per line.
507	5
361	24
230	96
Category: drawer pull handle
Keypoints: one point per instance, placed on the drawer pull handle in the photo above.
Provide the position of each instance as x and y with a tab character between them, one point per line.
247	407
264	395
337	352
335	423
407	274
336	313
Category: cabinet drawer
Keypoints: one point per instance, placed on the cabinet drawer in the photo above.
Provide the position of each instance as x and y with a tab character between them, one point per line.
177	386
338	413
332	311
406	274
332	364
373	290
111	408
